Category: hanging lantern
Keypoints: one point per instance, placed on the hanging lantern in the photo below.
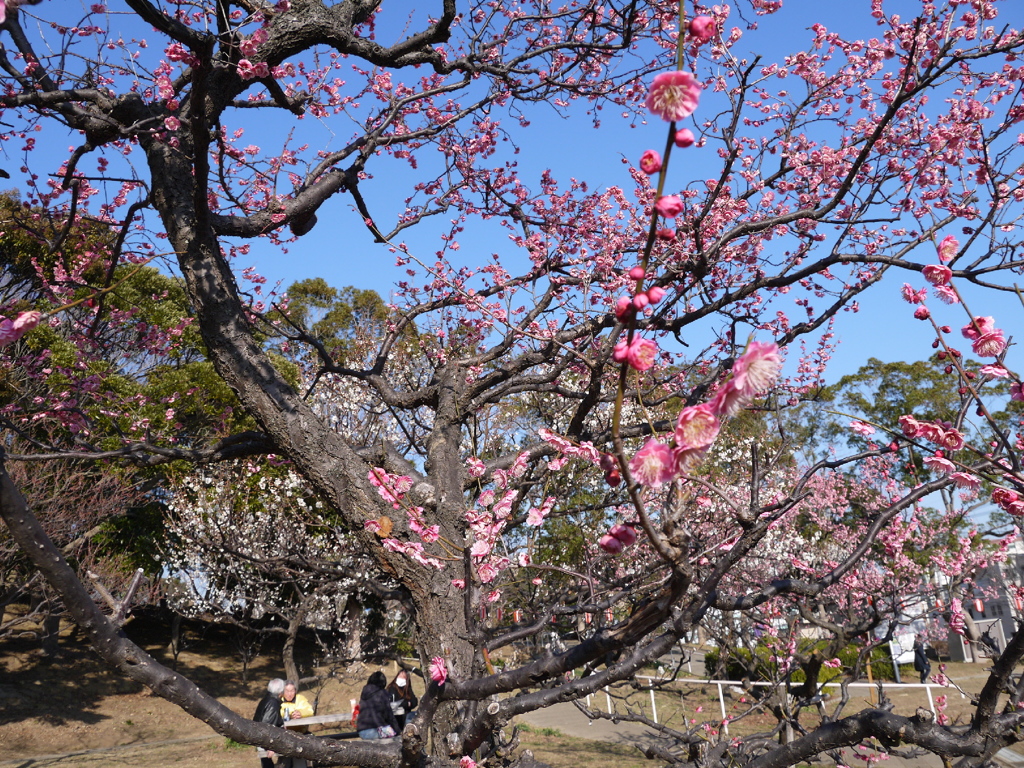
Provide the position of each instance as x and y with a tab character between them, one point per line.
609	616
1018	603
517	615
588	617
979	605
483	611
498	615
940	604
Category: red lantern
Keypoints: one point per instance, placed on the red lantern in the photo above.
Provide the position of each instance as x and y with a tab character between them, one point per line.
483	611
1018	602
517	616
609	616
979	605
588	617
940	604
498	615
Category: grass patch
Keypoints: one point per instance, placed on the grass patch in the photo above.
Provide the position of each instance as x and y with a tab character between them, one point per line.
569	752
231	744
527	728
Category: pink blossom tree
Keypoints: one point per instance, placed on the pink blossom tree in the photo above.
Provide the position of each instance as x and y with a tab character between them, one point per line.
612	344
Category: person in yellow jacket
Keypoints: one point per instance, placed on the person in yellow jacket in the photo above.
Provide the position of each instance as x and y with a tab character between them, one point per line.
293	704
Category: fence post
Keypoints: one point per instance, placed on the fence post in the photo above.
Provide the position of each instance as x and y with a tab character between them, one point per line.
721	704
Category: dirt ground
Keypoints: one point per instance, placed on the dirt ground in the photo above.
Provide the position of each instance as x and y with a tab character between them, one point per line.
75	703
75	712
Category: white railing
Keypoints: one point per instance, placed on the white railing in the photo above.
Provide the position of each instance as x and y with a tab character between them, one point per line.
744	684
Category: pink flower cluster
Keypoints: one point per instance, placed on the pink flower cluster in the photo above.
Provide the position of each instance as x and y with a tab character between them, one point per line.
390	487
639	353
941	433
698	426
987	340
12	330
617	539
1008	501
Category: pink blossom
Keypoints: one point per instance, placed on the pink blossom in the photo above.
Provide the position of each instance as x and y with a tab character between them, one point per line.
996	371
758	368
964	480
248	71
862	428
912	296
653	465
624	533
922	313
475	467
937	274
467	762
939	464
669	206
487	572
833	663
1017	392
655	293
950	439
697	427
978	328
610	544
685	138
673	95
956	616
535	517
640	301
624	308
459	583
371	525
650	162
946	294
948	248
172	123
990	344
728	400
911	427
703	28
12	330
638	354
687	458
637	272
438	670
1003	497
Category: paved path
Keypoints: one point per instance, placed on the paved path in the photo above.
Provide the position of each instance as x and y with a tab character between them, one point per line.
571	722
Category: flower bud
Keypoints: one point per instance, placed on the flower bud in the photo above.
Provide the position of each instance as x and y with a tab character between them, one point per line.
685	138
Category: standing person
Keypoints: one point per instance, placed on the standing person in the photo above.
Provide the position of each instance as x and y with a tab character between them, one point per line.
376	719
403	700
921	662
293	704
269	711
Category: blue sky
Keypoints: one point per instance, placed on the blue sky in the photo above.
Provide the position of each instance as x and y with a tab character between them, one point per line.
341	250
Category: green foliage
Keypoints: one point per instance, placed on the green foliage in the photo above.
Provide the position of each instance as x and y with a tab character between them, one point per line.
756	665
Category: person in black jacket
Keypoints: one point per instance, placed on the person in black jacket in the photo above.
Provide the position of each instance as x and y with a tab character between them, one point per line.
269	711
403	700
376	719
921	662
